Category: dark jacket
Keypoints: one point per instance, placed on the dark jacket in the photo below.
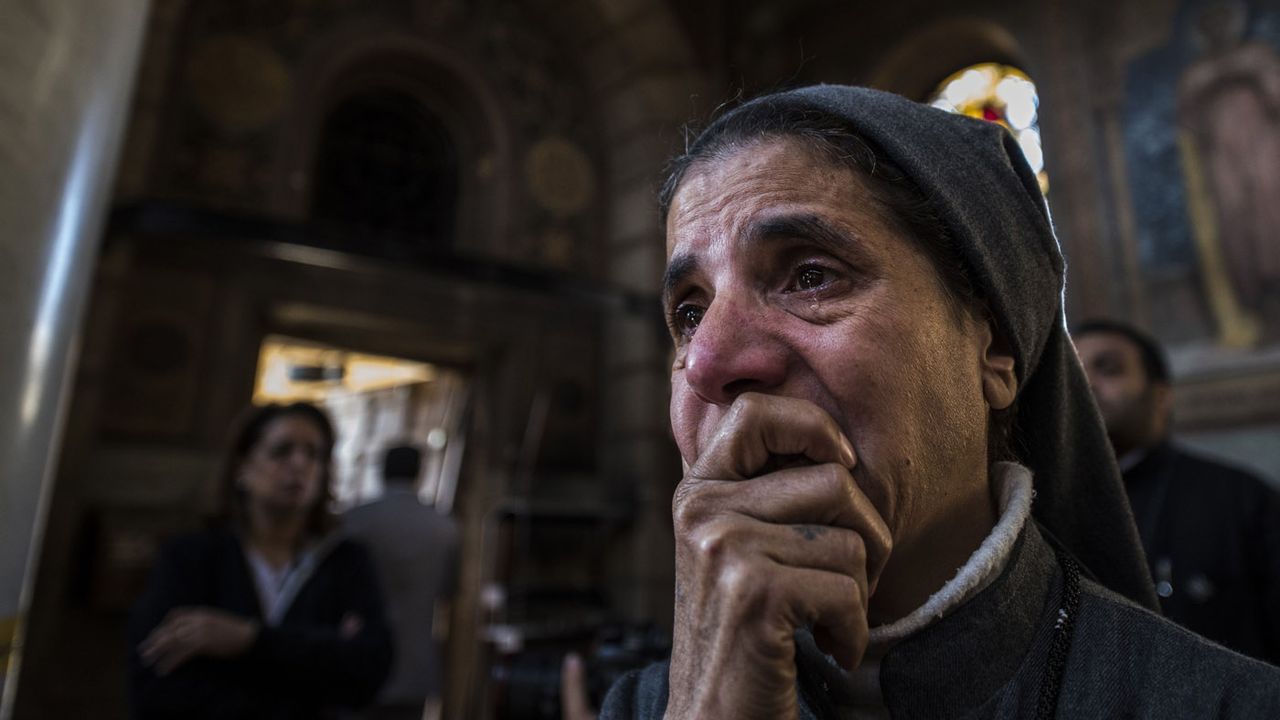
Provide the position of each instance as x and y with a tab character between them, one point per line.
990	658
302	668
1212	537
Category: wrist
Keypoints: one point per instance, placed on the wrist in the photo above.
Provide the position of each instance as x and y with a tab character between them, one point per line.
248	635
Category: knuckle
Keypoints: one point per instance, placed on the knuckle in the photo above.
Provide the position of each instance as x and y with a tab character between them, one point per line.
855	548
686	510
853	591
879	545
835	479
709	545
714	542
738	586
745	409
887	543
732	581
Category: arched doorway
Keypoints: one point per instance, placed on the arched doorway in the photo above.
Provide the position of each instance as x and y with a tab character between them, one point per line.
386	171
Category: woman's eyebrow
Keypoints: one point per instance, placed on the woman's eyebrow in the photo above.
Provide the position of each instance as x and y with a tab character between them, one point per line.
773	228
678	268
805	226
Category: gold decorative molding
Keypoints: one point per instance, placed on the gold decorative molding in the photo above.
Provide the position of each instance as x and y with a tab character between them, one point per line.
1237	328
10	643
559	176
1221	401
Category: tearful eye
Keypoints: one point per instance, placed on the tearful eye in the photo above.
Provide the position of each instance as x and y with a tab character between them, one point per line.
685	318
810	277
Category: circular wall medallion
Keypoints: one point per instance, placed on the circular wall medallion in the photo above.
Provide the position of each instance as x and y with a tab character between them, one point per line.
560	176
237	83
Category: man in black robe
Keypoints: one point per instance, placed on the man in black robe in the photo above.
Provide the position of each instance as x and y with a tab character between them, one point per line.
872	378
1211	531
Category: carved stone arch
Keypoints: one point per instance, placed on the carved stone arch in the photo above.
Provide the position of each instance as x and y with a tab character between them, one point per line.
452	89
922	60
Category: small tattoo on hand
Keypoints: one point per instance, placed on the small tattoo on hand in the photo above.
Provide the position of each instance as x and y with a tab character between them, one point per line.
809	532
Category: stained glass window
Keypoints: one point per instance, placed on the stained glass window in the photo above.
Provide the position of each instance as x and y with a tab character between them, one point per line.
1001	94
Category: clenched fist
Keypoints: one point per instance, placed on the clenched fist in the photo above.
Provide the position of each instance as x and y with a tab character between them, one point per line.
772	534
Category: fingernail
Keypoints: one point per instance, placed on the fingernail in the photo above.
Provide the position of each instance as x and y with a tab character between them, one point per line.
846	452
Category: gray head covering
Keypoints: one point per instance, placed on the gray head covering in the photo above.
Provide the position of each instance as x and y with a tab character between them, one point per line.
976	180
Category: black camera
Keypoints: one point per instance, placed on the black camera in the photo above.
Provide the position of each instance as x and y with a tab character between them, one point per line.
528	683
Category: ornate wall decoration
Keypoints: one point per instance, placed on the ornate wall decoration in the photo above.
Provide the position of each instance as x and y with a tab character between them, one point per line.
1205	274
158	363
1229	119
559	176
238	84
242	62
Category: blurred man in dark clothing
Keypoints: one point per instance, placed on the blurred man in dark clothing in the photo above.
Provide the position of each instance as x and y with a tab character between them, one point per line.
1211	531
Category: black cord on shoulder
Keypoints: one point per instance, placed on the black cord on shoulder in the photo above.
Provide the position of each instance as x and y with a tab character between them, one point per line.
1063	628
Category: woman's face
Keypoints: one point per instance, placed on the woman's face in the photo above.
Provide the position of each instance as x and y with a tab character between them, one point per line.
786	277
283	472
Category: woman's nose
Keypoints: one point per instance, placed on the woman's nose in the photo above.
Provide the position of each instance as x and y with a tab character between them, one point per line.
301	457
734	351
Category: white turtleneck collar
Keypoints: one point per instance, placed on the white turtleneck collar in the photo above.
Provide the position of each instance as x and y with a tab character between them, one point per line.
1012	488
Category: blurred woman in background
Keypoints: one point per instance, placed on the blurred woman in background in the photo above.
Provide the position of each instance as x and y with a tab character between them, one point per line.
270	614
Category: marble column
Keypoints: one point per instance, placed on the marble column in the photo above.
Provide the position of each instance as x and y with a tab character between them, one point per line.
66	76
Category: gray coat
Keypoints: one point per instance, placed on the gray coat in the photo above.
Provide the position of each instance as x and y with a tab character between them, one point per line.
989	658
416	552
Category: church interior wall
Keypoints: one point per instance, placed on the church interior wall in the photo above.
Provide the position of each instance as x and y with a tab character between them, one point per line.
1108	75
230	101
1252	447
